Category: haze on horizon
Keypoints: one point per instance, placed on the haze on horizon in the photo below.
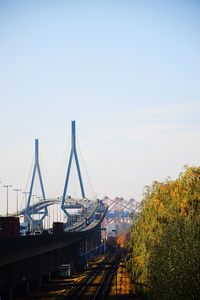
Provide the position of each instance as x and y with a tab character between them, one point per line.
127	71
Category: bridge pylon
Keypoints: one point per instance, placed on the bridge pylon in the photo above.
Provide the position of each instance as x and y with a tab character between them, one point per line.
30	212
72	153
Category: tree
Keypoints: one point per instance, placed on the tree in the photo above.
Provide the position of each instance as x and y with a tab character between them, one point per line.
164	247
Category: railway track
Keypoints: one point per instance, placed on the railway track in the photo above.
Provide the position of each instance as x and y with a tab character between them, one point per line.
95	285
91	284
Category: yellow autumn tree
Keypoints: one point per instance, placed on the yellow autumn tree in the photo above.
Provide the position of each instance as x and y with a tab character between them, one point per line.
164	237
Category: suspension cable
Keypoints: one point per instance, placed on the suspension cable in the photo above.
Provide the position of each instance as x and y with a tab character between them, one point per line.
87	174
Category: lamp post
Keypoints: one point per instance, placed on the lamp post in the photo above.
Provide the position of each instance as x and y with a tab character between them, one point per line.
17	190
7	187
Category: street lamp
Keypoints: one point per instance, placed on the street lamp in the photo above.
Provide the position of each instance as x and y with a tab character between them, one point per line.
17	190
7	187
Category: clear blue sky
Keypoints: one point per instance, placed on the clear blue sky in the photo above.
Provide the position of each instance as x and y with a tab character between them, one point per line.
128	72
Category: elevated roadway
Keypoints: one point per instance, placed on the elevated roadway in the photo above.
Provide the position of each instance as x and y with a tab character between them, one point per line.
28	259
22	247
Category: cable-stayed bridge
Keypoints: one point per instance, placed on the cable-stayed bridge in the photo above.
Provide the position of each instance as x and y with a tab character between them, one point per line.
74	210
24	259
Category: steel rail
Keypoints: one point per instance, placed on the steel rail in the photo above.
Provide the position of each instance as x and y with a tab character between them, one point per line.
79	291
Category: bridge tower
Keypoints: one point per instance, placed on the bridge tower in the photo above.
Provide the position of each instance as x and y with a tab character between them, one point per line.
30	211
72	153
